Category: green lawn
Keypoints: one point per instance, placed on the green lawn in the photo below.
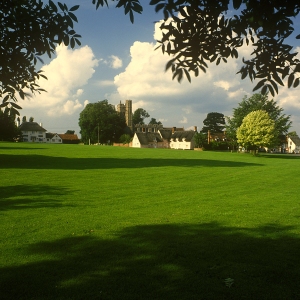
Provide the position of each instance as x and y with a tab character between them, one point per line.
97	222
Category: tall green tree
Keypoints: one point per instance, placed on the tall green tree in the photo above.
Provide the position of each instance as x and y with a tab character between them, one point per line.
206	32
258	102
101	120
139	116
257	130
8	128
214	121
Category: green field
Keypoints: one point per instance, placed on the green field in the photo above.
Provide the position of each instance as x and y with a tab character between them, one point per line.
98	222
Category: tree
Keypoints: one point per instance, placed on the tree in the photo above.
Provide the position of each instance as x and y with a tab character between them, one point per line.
29	29
139	116
125	138
195	33
257	130
31	119
292	133
70	132
100	122
215	122
8	128
154	121
200	139
258	102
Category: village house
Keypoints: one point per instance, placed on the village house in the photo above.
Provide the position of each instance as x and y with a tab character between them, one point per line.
33	132
156	136
293	143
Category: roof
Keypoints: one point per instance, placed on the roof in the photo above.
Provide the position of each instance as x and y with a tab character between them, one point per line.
295	139
174	128
180	135
50	135
31	126
147	137
165	133
68	137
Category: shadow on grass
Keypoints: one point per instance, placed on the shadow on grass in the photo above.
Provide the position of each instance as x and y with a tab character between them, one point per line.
50	162
24	196
161	262
22	148
281	156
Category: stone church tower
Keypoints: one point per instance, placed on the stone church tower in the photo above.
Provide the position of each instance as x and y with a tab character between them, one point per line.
126	109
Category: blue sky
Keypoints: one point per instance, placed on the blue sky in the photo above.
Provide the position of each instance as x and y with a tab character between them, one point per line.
117	61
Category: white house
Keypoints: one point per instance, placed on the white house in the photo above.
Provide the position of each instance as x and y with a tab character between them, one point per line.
163	138
53	138
293	144
182	140
33	132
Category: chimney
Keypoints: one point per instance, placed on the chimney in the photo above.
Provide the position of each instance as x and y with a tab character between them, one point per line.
195	128
173	129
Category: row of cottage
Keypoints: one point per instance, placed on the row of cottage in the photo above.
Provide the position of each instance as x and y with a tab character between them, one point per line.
157	136
146	136
34	132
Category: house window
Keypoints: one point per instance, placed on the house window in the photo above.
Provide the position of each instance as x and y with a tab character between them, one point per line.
53	140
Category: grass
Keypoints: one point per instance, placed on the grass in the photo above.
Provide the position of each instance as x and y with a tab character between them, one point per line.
95	222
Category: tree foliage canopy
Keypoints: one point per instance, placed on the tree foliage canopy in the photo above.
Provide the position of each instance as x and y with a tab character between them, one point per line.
101	118
254	103
206	32
215	122
29	29
195	33
139	116
257	129
154	121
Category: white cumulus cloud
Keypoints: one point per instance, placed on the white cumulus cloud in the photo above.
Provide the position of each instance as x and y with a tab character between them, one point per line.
67	73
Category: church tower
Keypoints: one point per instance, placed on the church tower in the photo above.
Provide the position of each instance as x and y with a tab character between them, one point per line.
126	110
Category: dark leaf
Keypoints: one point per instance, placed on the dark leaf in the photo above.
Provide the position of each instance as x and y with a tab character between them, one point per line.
15	105
73	17
290	80
61	6
264	90
74	8
159	7
296	83
259	84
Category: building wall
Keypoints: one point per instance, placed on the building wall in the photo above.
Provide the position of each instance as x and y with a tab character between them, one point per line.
184	145
34	136
135	142
292	147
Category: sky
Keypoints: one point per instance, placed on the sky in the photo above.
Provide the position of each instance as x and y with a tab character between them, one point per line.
117	61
